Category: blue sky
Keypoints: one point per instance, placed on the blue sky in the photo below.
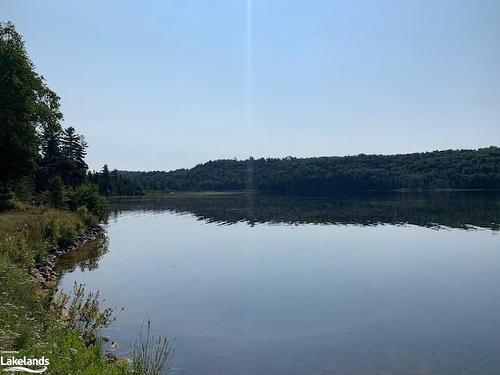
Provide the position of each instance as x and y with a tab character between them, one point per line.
157	85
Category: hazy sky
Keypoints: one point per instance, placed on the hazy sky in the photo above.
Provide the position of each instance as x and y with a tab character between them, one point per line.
156	85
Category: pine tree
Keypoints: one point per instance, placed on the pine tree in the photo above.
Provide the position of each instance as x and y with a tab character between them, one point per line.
105	181
73	152
51	163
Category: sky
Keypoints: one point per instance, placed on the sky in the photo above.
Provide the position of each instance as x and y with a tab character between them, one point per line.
160	85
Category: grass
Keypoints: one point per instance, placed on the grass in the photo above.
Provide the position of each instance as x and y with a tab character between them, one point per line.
29	321
151	355
11	220
26	236
29	327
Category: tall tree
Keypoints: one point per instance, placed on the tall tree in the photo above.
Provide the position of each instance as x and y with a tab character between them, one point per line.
51	163
105	181
73	151
27	108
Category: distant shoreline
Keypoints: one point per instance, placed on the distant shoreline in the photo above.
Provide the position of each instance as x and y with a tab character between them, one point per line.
449	170
222	193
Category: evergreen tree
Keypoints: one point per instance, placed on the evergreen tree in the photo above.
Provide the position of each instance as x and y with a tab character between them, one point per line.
73	151
51	163
105	181
114	183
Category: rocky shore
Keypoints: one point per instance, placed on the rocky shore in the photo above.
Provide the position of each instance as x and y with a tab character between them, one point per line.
45	274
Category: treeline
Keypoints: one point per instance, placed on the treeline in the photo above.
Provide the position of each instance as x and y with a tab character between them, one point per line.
113	183
450	169
41	161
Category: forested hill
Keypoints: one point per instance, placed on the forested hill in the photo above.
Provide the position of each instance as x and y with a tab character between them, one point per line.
450	169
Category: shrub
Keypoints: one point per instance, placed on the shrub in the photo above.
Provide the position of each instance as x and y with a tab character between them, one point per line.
88	196
16	248
67	232
88	218
10	204
56	193
82	312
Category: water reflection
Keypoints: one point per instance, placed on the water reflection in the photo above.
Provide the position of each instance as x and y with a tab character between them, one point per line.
451	209
86	258
306	299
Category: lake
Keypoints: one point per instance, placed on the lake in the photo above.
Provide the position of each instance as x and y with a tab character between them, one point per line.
394	283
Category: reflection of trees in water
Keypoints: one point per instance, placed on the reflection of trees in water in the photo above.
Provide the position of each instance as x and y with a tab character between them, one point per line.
450	209
86	257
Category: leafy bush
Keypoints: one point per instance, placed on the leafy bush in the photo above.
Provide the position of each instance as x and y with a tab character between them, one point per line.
11	204
59	227
88	196
16	248
88	218
56	192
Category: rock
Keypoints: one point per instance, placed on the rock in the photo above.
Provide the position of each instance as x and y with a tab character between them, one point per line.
124	360
111	357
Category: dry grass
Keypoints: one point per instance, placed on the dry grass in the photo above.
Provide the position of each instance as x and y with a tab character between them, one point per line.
11	220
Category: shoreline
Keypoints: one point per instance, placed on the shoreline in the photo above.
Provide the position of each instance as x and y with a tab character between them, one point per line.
45	274
215	193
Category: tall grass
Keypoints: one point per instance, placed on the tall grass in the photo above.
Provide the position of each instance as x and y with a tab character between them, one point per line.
35	234
151	355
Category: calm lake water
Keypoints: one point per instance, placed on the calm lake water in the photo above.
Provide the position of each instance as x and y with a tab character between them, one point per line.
373	284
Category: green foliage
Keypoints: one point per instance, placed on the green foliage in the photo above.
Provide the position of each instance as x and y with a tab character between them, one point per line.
73	151
30	242
10	204
87	195
58	227
27	105
68	354
461	169
36	153
114	183
56	192
27	326
63	155
82	312
88	218
23	189
20	308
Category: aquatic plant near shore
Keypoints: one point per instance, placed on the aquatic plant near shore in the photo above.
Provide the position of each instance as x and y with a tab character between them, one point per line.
151	355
